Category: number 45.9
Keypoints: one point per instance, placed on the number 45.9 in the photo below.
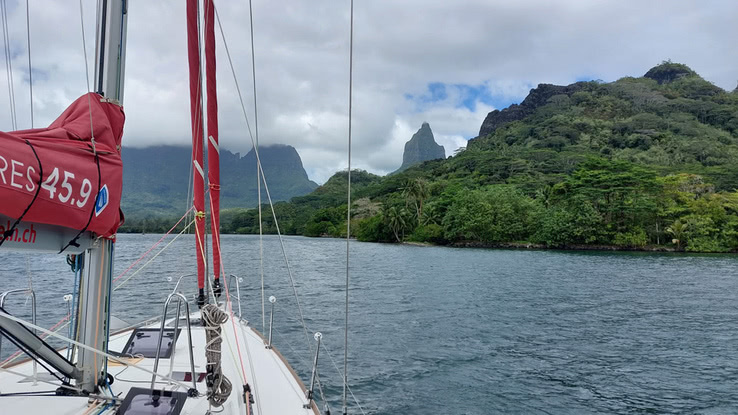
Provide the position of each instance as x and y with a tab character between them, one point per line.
66	193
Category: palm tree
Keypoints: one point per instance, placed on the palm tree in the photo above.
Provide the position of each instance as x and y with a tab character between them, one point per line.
544	195
417	191
678	230
432	215
396	219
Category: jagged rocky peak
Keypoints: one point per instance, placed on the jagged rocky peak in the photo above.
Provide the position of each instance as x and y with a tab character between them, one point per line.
537	97
669	71
421	147
665	73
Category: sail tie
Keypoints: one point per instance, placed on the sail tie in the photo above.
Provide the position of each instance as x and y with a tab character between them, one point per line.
74	240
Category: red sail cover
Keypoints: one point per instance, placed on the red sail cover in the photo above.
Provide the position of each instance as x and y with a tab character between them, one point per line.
213	148
70	177
198	182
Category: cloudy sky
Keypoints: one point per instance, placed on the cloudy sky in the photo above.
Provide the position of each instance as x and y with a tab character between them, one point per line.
445	62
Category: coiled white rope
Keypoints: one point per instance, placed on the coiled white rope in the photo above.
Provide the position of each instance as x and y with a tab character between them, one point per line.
219	387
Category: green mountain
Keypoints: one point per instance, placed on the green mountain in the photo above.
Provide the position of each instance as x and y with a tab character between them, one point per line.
639	162
421	147
156	179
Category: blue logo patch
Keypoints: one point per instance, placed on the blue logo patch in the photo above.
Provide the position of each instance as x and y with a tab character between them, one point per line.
102	200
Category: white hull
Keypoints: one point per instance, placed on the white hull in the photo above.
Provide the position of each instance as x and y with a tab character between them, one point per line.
276	388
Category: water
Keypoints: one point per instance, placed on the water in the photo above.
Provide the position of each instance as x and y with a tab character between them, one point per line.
467	331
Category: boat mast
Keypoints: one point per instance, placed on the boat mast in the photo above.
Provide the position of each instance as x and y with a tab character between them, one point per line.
98	264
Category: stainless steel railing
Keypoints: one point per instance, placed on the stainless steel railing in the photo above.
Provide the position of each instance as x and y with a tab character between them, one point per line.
180	299
3	297
238	290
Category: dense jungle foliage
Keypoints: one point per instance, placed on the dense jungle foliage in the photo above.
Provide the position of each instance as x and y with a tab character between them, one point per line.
647	162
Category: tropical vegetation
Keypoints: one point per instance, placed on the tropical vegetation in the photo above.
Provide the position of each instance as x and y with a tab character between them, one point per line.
639	163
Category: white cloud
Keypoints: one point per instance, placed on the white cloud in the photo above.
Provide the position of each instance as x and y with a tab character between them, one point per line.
400	47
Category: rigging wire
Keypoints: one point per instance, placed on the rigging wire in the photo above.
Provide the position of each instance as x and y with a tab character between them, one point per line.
37	360
269	198
356	401
73	241
87	70
153	246
266	188
56	327
117	287
75	303
24	375
8	63
190	201
271	204
258	172
229	308
30	70
348	209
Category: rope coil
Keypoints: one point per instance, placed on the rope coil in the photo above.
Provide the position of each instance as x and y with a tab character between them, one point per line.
219	387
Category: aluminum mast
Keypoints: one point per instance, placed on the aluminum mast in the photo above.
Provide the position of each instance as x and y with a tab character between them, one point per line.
98	264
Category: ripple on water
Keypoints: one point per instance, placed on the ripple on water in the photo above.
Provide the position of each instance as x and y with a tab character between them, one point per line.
470	331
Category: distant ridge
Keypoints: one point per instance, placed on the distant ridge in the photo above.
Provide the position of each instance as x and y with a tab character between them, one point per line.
156	179
674	80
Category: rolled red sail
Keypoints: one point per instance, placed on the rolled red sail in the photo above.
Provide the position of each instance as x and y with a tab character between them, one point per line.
198	187
70	175
213	148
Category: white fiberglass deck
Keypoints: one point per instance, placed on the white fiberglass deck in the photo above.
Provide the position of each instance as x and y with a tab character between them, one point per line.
276	388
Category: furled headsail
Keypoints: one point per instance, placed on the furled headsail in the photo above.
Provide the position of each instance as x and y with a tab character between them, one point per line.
54	175
196	118
213	147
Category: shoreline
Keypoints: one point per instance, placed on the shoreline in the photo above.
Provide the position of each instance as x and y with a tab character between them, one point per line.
573	247
514	245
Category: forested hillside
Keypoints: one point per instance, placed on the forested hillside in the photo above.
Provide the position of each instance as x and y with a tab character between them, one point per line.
639	162
156	180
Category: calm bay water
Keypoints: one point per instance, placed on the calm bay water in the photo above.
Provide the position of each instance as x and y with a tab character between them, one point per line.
467	331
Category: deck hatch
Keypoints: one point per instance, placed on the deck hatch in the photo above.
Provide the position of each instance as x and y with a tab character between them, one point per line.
143	341
140	401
